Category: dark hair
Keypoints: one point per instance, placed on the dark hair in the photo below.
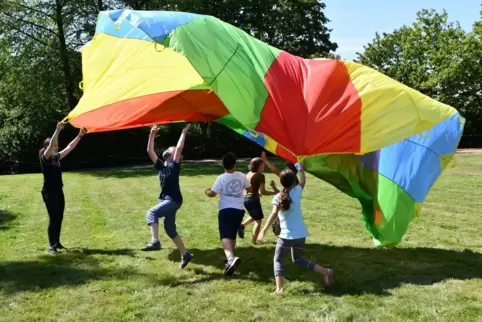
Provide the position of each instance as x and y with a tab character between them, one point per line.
255	164
45	146
288	180
229	161
291	166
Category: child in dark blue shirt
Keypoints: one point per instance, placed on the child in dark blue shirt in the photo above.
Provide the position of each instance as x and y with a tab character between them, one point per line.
169	168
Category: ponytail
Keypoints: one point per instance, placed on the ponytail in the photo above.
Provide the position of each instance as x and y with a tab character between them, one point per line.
285	200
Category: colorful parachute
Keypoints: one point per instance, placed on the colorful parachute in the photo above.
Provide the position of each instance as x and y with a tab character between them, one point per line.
368	135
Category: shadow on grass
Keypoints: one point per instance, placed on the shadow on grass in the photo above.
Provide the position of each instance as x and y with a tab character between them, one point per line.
108	252
6	219
51	271
357	270
187	169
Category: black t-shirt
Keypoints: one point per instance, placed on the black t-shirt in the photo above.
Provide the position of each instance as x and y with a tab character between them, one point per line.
169	178
52	173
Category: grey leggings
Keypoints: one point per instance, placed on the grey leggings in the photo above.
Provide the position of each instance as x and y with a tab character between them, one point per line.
283	246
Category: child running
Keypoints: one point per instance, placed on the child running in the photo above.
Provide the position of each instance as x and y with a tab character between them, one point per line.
169	168
252	201
286	206
229	186
290	166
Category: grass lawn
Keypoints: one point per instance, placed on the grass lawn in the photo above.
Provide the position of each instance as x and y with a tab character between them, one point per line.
434	275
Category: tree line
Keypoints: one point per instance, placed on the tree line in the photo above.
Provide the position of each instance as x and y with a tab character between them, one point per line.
41	68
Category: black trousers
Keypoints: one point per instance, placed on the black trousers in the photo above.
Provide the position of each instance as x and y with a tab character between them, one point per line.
55	203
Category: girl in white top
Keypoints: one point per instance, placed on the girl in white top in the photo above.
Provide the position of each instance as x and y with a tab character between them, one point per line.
287	207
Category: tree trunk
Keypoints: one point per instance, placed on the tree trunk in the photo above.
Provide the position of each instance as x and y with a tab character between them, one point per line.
64	56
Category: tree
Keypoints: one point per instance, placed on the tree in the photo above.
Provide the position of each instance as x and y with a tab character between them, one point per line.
436	57
297	26
40	70
40	67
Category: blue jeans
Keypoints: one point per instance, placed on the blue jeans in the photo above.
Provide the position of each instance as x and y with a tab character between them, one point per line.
168	210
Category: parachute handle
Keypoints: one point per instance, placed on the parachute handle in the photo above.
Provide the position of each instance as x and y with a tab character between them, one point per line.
425	136
156	45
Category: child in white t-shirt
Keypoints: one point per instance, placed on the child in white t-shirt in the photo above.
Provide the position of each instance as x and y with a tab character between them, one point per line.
230	186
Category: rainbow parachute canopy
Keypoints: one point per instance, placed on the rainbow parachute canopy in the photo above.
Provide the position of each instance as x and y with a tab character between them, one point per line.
370	136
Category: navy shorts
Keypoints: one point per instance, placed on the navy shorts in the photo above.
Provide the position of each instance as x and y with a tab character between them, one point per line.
253	206
230	220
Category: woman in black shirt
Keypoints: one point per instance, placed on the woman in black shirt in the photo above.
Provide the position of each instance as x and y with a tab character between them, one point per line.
52	193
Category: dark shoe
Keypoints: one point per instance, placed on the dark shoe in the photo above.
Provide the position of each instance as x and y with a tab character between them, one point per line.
186	258
52	250
231	266
152	246
59	246
241	231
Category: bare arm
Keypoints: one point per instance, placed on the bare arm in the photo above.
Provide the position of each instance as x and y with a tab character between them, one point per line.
150	144
72	144
269	164
180	144
53	140
211	194
264	192
269	222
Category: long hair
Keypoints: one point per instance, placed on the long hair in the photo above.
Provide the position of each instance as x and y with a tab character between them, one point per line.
255	164
45	146
288	180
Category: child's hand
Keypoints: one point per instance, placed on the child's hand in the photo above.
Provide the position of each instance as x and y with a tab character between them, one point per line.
154	129
261	236
298	166
61	126
272	184
207	191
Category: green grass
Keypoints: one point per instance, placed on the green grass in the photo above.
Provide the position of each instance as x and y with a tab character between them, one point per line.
434	275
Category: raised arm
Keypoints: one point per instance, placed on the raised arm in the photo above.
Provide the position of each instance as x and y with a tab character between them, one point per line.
150	144
302	177
72	144
180	144
53	140
269	164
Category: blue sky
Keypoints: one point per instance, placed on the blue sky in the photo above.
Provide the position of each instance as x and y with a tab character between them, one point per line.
354	22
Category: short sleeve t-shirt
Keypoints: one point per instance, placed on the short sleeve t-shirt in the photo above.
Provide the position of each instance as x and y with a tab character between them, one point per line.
52	173
291	221
230	188
169	180
256	179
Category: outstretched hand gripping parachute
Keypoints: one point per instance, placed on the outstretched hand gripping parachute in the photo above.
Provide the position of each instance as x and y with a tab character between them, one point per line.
365	133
